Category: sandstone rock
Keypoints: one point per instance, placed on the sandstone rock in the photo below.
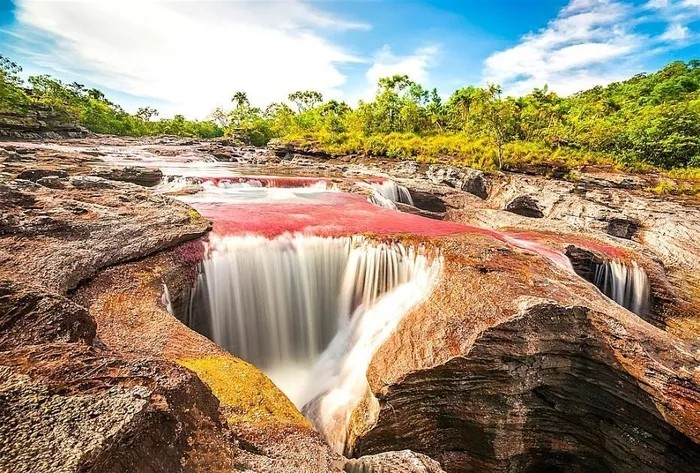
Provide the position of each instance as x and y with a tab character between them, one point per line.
147	177
404	461
40	124
524	205
52	182
90	182
30	316
406	169
70	408
511	365
286	150
666	230
91	224
35	174
623	228
465	179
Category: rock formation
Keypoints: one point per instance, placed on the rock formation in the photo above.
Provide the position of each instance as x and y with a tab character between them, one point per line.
547	376
41	124
515	362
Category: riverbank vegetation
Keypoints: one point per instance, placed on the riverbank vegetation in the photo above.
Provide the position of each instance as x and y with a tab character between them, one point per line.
649	121
44	95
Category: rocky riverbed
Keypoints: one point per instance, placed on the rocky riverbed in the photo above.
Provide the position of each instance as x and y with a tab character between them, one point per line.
513	362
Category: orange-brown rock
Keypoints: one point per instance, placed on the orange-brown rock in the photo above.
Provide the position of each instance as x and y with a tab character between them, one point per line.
513	364
110	381
126	302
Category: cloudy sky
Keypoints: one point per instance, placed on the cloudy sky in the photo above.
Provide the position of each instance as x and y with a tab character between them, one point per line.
191	56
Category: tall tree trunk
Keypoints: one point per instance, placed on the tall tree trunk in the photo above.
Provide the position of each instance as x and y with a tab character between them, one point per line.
500	154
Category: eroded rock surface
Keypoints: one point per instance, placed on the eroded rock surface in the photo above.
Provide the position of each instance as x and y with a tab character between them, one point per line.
404	461
271	434
108	381
40	124
546	376
513	364
59	237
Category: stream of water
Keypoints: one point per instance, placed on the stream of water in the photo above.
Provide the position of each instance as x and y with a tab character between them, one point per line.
626	284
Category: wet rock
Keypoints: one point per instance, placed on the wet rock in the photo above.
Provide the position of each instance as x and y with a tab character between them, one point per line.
465	179
52	182
418	211
525	205
141	176
623	228
583	261
35	174
404	461
545	376
429	201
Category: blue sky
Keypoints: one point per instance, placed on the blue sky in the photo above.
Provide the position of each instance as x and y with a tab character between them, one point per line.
189	57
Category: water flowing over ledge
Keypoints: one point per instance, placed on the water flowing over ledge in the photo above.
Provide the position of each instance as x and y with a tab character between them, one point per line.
279	303
626	284
388	193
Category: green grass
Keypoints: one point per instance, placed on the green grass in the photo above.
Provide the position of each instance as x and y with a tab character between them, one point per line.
453	148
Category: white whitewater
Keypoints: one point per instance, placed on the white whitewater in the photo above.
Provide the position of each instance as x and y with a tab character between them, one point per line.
388	193
340	380
626	284
279	302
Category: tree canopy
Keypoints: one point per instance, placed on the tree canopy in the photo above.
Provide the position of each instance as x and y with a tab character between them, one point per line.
650	119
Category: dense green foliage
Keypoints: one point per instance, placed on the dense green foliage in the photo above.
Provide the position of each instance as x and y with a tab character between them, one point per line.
648	120
88	107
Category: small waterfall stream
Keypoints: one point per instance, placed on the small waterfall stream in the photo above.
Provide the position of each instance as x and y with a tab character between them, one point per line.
626	284
278	303
387	193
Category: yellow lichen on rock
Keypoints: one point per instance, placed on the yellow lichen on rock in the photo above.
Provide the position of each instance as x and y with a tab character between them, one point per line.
245	393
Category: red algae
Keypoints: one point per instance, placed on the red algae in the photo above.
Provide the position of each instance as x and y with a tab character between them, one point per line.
336	214
284	182
604	249
266	181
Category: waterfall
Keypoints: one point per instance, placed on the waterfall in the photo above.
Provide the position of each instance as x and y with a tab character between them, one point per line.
165	300
176	183
388	193
278	303
628	285
340	373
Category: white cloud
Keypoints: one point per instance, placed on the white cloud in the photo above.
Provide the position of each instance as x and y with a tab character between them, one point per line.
675	33
590	42
194	55
415	65
656	4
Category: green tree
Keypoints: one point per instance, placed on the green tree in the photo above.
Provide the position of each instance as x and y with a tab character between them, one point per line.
306	99
240	99
499	116
146	113
12	96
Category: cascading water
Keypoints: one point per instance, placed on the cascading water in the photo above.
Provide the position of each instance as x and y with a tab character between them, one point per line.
626	284
340	373
388	193
279	302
